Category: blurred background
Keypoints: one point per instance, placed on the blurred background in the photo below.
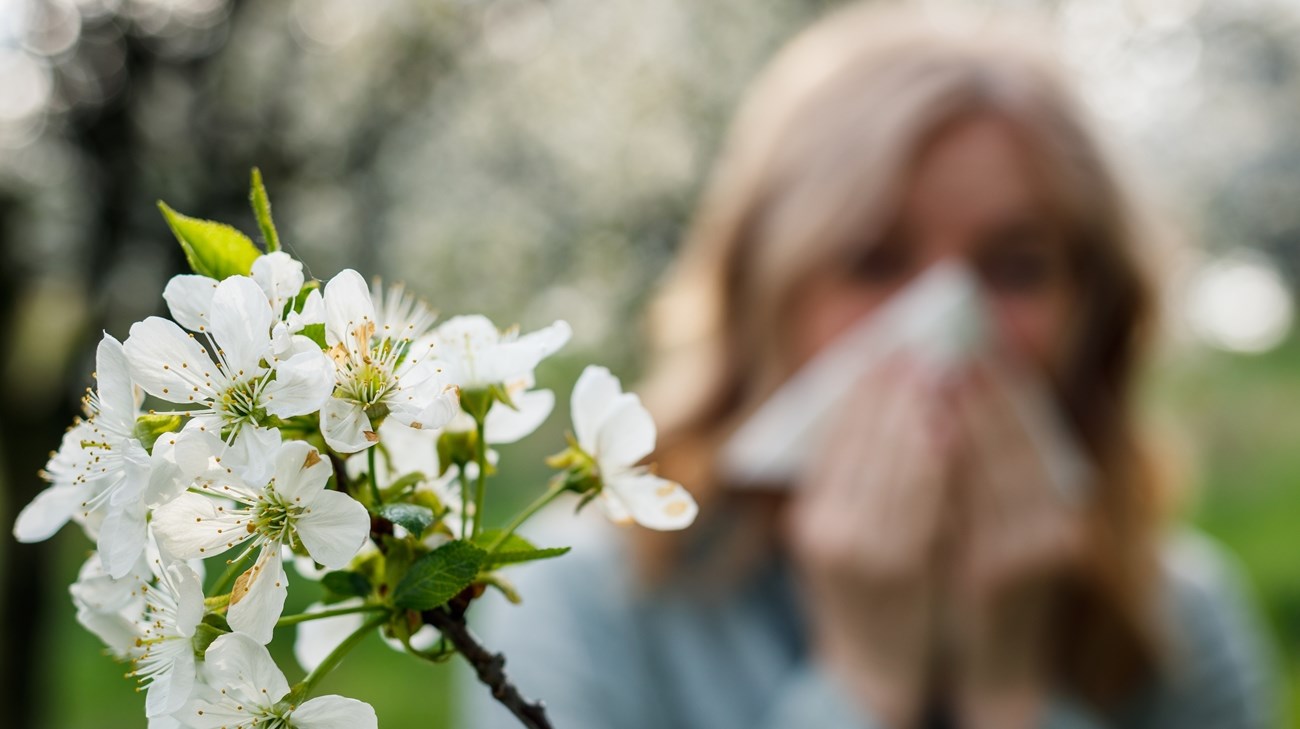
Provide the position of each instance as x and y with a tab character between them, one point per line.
538	159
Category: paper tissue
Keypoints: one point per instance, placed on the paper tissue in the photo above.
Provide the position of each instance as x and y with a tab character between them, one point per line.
942	320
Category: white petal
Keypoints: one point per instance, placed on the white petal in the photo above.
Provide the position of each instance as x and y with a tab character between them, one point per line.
252	455
121	539
194	526
626	435
242	664
302	384
257	610
654	502
168	363
49	511
594	395
189	297
301	472
344	425
113	383
333	528
166	478
241	324
280	277
507	425
117	632
334	712
347	306
318	638
187	588
313	312
170	692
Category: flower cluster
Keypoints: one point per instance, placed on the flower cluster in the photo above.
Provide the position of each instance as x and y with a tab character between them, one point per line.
335	426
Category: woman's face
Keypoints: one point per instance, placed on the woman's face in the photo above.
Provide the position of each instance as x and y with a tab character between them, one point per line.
972	197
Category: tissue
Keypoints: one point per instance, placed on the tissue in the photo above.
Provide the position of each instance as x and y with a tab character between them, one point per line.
941	319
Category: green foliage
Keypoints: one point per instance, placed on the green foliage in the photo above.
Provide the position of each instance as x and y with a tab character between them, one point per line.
316	333
411	517
346	584
262	210
212	249
439	575
514	550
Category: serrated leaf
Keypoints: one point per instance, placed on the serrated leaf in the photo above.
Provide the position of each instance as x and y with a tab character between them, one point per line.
498	559
412	517
438	576
514	549
346	584
215	250
262	211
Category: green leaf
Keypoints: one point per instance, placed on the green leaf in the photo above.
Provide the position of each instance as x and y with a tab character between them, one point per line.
438	576
514	550
215	250
412	517
262	210
346	584
316	333
149	428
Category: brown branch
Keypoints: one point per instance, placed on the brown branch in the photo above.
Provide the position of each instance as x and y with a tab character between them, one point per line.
489	666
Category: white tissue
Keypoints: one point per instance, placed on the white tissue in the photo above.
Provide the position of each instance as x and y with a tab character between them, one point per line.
941	319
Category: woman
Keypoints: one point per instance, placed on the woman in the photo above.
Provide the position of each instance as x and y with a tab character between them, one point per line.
922	572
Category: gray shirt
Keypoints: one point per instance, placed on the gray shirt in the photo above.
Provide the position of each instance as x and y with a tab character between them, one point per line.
603	654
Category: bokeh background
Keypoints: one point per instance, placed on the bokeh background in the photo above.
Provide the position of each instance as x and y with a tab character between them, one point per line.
535	160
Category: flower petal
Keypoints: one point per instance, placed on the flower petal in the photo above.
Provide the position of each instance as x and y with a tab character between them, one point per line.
49	511
252	455
168	363
189	297
626	435
246	667
507	425
241	324
345	426
194	526
333	528
265	587
334	712
170	691
653	502
280	277
117	404
122	537
302	384
594	394
347	306
300	472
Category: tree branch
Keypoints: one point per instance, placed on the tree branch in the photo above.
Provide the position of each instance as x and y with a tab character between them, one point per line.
489	666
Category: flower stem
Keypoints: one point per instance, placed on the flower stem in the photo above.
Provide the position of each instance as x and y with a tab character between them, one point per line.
556	488
332	660
464	499
321	614
480	457
374	478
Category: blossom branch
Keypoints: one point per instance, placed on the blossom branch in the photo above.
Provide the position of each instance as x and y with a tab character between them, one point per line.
488	666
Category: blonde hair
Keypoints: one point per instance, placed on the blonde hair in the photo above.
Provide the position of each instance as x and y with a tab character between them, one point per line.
812	168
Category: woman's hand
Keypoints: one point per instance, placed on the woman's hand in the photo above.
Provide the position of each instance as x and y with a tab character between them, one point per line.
1016	537
864	531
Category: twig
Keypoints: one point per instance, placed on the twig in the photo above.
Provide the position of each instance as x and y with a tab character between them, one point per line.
489	666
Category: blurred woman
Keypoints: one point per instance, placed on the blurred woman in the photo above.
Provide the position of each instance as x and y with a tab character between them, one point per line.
923	572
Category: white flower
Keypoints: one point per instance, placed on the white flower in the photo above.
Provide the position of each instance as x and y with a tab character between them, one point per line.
292	507
247	384
616	430
102	468
147	616
384	366
478	356
164	654
253	690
